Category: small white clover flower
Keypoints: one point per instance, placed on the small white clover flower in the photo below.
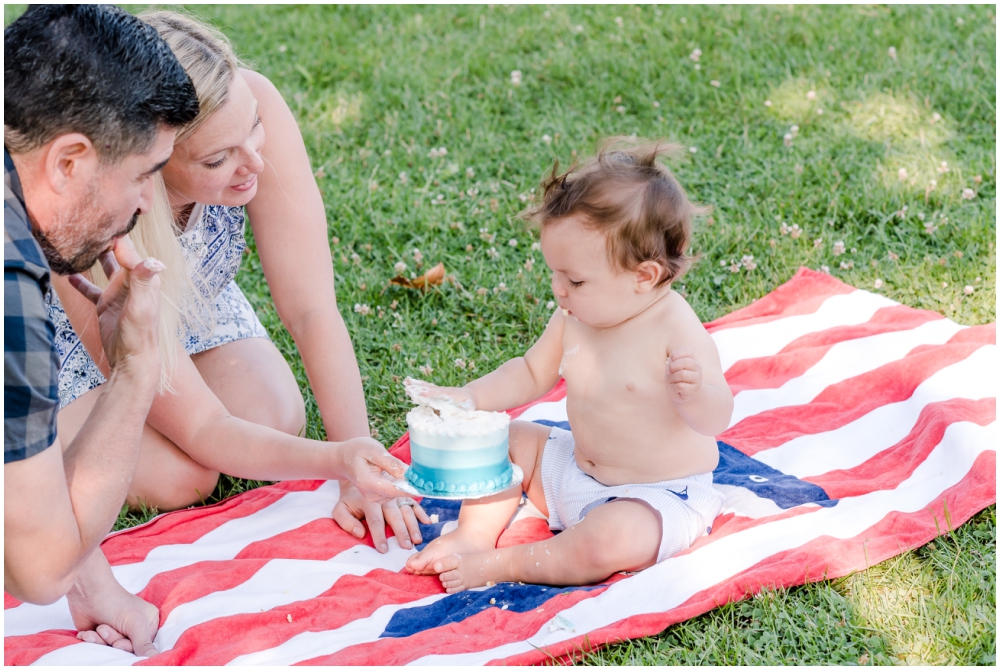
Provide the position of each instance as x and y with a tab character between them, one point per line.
878	284
811	95
399	267
968	290
734	266
846	265
492	253
817	243
418	256
825	269
550	305
425	370
788	139
501	287
619	22
363	310
968	194
795	232
459	363
512	243
469	173
935	117
536	246
283	48
693	150
656	104
547	138
515	77
903	174
715	83
838	248
943	168
768	103
620	109
403	178
794	129
356	259
892	53
748	262
695	55
529	264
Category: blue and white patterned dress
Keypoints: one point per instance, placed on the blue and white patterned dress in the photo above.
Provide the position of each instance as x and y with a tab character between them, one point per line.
213	245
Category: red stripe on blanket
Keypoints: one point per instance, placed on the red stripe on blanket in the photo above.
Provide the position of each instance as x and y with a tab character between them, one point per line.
846	401
351	598
186	526
802	294
892	466
26	649
318	540
768	372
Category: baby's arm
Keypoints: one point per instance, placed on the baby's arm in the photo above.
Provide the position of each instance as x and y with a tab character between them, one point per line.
695	380
526	378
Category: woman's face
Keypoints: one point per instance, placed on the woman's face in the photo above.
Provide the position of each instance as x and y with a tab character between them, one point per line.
219	163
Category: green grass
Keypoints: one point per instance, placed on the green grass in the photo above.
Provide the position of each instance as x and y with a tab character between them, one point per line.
376	88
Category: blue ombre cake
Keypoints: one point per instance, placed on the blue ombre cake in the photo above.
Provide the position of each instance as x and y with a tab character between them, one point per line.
458	453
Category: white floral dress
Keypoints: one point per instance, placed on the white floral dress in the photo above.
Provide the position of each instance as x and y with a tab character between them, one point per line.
213	245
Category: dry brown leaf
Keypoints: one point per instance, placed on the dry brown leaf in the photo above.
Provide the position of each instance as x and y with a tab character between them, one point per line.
432	277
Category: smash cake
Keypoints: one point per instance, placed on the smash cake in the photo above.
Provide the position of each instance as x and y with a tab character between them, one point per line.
456	451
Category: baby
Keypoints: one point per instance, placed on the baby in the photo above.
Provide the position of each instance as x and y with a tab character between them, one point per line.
631	484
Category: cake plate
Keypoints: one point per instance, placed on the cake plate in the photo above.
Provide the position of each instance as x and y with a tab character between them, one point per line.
517	476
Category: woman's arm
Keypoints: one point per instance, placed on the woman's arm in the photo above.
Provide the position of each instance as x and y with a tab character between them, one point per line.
290	227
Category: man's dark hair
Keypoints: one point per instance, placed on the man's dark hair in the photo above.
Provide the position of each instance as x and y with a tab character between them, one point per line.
91	69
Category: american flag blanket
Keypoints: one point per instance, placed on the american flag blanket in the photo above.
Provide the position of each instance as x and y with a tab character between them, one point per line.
863	428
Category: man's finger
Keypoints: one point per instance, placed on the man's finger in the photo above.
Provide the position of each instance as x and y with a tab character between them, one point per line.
143	273
108	263
90	636
85	287
141	642
125	253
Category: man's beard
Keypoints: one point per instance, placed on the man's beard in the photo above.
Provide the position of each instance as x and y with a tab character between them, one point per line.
70	247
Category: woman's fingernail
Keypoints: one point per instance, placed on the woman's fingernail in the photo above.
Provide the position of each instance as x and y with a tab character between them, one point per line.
357	532
103	633
154	265
384	547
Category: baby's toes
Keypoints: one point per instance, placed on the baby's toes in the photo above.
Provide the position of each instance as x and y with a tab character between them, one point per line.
447	563
452	581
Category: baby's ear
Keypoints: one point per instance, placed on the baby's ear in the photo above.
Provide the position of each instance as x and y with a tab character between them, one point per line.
648	275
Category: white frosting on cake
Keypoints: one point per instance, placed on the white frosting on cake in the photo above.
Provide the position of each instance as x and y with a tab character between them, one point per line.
438	414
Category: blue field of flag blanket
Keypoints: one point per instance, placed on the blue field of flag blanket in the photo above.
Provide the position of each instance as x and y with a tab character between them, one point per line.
862	428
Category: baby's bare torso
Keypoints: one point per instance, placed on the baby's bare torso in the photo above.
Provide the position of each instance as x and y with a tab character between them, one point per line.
626	427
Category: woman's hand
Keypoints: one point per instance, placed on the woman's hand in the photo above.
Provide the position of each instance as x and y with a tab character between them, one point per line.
404	519
366	464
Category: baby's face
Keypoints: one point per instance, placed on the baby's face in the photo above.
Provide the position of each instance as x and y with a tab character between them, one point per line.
583	281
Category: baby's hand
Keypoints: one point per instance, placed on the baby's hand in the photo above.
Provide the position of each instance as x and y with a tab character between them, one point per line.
683	375
417	388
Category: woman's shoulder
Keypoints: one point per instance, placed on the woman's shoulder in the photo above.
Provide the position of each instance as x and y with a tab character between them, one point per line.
263	89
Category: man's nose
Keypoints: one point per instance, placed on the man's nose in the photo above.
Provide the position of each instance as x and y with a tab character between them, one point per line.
146	196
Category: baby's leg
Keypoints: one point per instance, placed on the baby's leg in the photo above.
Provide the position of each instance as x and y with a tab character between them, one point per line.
480	522
620	535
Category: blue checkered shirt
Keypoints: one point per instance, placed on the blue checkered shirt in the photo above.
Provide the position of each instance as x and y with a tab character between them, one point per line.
30	364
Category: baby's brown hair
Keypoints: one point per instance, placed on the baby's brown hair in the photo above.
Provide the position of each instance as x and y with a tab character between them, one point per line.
628	195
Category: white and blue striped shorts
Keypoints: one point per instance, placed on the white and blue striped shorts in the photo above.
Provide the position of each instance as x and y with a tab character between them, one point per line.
686	506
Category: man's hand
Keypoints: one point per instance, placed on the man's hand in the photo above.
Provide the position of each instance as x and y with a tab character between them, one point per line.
128	310
367	465
404	520
105	613
683	375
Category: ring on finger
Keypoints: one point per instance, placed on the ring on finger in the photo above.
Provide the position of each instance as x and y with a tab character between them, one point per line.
405	502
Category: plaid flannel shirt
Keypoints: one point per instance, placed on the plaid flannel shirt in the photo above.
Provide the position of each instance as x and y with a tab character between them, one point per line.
30	363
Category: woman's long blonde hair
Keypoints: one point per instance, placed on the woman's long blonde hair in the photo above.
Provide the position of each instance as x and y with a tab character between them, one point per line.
209	60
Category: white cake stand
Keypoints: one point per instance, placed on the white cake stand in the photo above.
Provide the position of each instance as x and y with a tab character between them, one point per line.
517	476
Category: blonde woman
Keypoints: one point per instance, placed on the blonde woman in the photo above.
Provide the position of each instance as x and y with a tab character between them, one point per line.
230	373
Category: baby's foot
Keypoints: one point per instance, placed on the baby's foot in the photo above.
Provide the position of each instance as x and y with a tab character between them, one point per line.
458	541
458	573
